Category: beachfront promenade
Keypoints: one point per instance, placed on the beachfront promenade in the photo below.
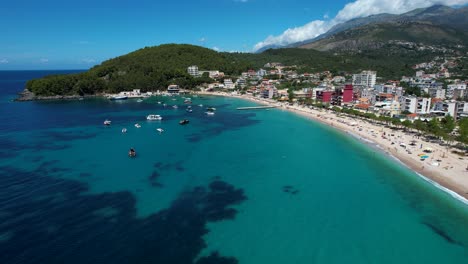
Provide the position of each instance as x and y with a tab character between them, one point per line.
441	166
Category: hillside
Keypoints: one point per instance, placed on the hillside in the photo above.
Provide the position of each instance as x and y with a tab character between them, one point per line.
154	68
148	69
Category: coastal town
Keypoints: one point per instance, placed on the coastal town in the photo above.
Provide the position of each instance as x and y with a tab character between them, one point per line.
396	115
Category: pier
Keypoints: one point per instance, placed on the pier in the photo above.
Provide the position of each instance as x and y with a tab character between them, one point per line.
256	107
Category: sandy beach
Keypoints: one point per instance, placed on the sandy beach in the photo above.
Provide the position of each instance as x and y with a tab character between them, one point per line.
440	166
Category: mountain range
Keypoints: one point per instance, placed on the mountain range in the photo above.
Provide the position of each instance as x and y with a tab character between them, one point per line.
436	25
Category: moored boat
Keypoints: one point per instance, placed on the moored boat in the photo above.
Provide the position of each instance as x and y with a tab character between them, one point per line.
184	122
153	117
107	122
137	125
118	97
132	153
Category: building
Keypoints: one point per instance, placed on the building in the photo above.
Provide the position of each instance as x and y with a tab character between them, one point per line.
365	78
228	84
193	71
348	95
416	105
173	89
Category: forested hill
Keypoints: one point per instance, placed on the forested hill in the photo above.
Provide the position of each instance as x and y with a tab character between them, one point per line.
148	69
154	68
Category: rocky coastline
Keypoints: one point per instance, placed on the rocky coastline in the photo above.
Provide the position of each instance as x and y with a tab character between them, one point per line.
27	95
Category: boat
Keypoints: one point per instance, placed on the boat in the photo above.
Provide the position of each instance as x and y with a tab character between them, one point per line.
160	130
107	122
137	125
184	122
139	101
210	113
212	109
159	102
132	153
124	130
187	101
118	97
153	117
175	106
200	105
189	110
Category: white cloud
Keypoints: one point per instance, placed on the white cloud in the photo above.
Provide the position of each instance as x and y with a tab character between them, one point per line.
88	60
216	49
202	39
44	60
359	8
4	61
241	1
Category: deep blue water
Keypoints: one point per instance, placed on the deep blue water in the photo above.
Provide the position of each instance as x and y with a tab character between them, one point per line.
247	187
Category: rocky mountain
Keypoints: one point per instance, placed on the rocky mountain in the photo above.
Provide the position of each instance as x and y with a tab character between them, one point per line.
436	25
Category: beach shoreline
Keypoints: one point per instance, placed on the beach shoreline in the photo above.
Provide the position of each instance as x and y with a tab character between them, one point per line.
443	169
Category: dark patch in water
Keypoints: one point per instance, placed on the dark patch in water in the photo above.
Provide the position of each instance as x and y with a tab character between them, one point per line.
441	233
54	136
68	230
170	166
153	178
85	175
215	258
290	189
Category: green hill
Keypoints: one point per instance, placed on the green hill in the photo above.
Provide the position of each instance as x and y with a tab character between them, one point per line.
154	68
148	69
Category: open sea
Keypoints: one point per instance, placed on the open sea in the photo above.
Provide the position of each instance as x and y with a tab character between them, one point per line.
247	187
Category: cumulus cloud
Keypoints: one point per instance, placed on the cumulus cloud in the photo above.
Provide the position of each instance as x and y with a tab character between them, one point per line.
4	61
359	8
216	49
88	60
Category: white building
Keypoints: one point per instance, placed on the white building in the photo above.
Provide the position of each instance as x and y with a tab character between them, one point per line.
228	84
193	70
365	78
416	105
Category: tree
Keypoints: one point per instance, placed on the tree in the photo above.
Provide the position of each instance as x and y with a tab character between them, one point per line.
447	124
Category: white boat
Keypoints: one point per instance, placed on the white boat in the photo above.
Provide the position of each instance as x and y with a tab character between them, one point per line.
107	122
153	117
159	102
118	97
211	109
139	101
210	113
160	130
200	105
124	130
175	106
137	125
189	110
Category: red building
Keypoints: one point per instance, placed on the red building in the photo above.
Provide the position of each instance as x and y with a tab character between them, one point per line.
348	93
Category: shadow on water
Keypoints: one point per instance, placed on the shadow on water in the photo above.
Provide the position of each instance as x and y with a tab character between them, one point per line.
46	219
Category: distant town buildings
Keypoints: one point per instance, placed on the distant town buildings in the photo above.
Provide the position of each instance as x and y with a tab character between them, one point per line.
365	78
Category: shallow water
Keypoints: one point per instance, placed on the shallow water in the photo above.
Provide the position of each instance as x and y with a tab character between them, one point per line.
253	186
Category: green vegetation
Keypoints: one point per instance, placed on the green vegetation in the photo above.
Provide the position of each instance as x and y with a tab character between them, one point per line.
154	68
148	69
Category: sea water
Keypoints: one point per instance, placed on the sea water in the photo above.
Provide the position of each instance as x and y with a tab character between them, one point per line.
263	186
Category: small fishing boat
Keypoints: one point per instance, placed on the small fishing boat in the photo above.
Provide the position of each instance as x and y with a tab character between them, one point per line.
124	130
132	153
189	110
137	125
210	113
184	122
107	122
160	130
175	106
139	101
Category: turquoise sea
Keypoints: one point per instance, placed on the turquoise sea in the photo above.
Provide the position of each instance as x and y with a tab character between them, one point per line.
238	187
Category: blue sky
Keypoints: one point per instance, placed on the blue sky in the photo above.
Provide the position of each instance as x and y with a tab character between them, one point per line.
53	34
